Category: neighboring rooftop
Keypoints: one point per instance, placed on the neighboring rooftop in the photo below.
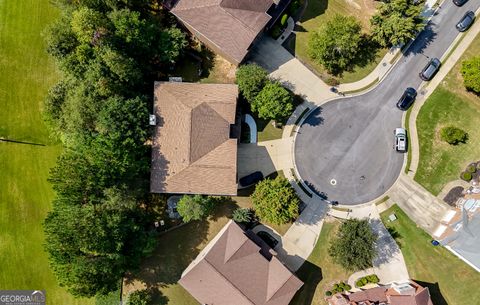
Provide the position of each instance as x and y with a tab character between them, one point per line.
233	270
227	26
192	150
409	293
460	233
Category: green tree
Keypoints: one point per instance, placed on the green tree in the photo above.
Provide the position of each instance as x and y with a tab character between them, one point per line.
471	74
273	102
396	22
92	246
140	297
453	135
275	201
242	215
336	44
195	207
354	246
251	79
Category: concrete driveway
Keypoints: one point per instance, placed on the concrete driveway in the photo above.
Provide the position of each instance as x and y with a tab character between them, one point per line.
350	139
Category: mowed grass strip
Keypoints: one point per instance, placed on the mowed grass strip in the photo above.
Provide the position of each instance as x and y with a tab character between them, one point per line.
450	280
319	272
449	104
316	14
26	73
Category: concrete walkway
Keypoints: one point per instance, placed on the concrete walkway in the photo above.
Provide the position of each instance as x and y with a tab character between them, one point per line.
423	208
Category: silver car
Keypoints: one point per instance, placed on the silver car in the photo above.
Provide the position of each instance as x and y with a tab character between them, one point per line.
400	144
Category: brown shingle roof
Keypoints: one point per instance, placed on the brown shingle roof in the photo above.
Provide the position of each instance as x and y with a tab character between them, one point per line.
376	294
192	152
233	272
230	25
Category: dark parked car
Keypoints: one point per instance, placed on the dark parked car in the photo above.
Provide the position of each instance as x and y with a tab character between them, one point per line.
466	22
459	2
407	99
430	69
267	238
250	179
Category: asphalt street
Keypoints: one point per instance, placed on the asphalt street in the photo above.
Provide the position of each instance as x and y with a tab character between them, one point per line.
344	149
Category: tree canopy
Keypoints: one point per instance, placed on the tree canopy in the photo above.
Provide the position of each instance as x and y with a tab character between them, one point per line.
335	45
273	102
354	246
109	53
396	22
251	79
195	207
275	201
471	74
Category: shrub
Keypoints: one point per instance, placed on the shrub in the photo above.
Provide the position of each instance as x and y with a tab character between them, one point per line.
372	278
275	201
466	176
471	74
347	287
453	135
283	21
242	215
294	6
276	31
471	168
140	297
328	293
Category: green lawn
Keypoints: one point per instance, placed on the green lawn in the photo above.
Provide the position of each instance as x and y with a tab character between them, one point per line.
26	73
317	13
449	279
450	104
319	272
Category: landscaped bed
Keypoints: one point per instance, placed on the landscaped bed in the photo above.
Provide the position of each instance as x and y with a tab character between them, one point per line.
450	104
449	279
317	13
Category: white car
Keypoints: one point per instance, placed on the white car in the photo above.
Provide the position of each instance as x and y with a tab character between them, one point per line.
400	140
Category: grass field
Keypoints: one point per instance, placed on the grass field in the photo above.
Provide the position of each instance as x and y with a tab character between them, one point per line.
450	280
26	73
450	104
319	272
316	14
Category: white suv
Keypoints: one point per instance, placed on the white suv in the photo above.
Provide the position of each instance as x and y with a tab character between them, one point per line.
400	140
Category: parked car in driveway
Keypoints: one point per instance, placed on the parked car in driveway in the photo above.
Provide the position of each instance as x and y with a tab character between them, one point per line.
407	99
466	22
250	179
400	144
430	69
267	238
459	2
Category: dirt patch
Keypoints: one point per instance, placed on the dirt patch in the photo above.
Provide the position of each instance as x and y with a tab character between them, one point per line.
453	195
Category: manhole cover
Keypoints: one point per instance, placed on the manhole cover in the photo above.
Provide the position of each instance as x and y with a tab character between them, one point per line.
333	182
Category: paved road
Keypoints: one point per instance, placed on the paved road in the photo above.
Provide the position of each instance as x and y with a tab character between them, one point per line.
351	139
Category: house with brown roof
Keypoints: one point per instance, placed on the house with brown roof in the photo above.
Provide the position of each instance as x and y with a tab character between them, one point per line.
408	293
228	27
238	268
194	148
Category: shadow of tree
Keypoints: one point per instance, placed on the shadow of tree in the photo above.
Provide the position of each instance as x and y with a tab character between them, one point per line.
395	235
310	274
435	293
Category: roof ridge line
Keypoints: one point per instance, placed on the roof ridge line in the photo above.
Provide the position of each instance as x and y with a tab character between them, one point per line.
291	275
234	17
229	283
